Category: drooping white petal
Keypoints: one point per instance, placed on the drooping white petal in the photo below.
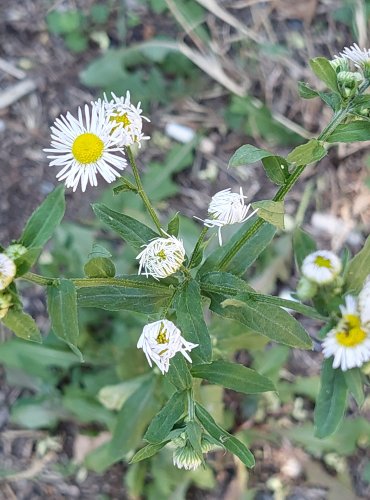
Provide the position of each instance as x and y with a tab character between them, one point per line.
161	257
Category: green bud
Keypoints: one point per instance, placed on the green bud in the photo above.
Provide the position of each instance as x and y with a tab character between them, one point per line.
306	289
207	444
16	250
340	64
186	458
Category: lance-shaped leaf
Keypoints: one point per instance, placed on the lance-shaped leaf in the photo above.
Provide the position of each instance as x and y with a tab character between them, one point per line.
246	255
44	220
325	72
100	267
163	422
351	132
130	293
331	401
148	451
62	307
358	268
189	318
307	153
179	374
25	261
233	376
225	439
266	319
355	384
22	324
134	232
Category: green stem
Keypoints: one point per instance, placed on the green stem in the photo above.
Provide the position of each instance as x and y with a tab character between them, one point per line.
191	405
141	192
39	280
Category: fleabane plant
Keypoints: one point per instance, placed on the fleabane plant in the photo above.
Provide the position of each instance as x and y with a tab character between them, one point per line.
172	287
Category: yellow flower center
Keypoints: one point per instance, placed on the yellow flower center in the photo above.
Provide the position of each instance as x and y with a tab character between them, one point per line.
87	148
352	333
124	119
162	255
323	262
162	338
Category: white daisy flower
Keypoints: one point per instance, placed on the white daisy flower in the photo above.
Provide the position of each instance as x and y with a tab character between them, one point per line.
321	267
160	341
84	147
7	271
364	302
227	208
360	57
349	341
126	118
161	257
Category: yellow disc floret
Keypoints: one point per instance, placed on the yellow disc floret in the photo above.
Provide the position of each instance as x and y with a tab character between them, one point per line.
323	262
162	338
124	119
352	334
87	148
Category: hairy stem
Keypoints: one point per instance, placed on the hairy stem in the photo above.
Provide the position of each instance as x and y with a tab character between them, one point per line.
141	192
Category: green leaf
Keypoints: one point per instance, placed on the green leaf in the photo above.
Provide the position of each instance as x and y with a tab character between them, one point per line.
163	422
226	440
358	268
194	433
134	232
305	91
248	154
131	293
148	451
25	261
271	211
266	319
303	245
276	168
331	401
22	324
248	253
179	374
324	71
307	153
44	220
355	384
62	307
233	376
132	420
189	316
99	267
174	225
351	132
239	301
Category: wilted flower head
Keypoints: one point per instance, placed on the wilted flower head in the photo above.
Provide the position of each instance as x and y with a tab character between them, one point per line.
161	257
7	271
360	57
84	147
321	267
160	341
126	118
227	208
349	341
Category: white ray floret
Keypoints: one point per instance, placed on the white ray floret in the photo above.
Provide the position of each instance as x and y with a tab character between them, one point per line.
160	341
227	208
349	341
364	303
7	271
321	267
126	118
85	147
161	257
358	56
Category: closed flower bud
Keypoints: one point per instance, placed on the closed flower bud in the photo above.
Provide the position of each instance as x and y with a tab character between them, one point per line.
16	250
5	303
306	289
186	458
340	64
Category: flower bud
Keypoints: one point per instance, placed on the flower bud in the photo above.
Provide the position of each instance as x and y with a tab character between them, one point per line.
16	250
186	458
306	289
5	303
7	271
340	64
